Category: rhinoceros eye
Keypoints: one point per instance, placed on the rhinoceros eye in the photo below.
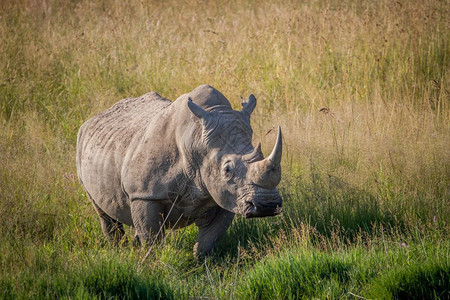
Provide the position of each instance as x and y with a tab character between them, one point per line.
228	171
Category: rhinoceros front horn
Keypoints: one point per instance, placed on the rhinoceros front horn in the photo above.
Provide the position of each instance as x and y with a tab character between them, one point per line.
267	172
275	156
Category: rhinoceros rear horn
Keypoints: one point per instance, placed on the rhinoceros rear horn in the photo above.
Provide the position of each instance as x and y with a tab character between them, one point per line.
255	155
196	110
249	105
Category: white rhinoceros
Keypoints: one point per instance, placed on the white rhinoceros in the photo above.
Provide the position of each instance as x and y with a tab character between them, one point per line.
151	163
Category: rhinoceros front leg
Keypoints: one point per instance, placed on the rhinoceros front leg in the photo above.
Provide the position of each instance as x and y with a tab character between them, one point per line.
147	220
211	228
111	228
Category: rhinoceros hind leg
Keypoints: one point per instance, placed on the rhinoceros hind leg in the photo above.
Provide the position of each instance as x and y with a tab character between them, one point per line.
111	228
211	228
147	220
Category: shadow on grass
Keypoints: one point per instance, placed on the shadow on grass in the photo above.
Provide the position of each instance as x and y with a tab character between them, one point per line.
308	273
327	204
424	281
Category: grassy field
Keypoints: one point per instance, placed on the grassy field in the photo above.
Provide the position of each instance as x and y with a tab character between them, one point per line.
360	88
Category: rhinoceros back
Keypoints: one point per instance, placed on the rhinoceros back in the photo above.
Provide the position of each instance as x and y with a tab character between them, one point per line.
102	145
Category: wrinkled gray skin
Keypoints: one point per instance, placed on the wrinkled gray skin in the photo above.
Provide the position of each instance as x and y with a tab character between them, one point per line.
148	156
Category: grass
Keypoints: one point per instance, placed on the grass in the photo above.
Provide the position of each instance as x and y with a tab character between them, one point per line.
306	273
360	88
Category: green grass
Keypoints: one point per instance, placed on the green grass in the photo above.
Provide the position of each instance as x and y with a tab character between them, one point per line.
296	266
375	273
99	276
360	89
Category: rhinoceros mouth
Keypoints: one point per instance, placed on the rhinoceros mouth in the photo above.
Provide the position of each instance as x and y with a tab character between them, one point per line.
256	210
255	202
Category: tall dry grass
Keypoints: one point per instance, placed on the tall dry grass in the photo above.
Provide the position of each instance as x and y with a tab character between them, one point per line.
360	88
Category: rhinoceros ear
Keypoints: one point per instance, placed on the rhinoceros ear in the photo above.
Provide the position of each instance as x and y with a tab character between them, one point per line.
196	110
249	105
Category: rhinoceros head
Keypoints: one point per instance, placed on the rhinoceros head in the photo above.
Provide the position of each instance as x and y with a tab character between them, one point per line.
235	173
